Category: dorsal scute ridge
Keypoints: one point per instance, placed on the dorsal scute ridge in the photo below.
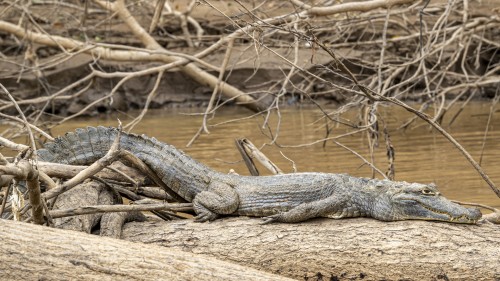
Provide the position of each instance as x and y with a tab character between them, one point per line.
84	146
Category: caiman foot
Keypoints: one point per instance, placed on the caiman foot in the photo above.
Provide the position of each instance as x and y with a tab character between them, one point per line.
307	211
205	217
220	198
271	219
203	214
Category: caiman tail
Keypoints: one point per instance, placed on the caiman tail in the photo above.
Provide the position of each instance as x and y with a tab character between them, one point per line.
85	146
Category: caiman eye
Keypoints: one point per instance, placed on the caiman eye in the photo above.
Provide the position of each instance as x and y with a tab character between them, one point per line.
427	192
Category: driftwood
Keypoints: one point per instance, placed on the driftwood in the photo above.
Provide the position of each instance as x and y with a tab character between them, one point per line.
31	252
351	249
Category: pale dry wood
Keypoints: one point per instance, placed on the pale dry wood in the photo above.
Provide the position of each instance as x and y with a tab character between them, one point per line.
21	113
493	217
251	151
68	171
105	53
84	210
87	194
157	14
342	249
24	170
84	194
12	145
199	75
34	195
31	252
358	6
112	223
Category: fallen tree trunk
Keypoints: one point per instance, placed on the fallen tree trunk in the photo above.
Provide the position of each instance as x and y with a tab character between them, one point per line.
31	252
338	249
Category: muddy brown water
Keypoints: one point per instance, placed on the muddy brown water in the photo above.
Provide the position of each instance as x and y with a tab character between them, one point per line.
422	155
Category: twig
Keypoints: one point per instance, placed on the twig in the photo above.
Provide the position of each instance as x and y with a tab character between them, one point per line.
360	6
12	145
421	20
490	115
34	195
4	199
68	171
156	16
49	137
362	158
124	175
464	152
151	96
177	207
26	123
391	155
476	205
137	163
191	70
294	167
218	85
372	96
48	216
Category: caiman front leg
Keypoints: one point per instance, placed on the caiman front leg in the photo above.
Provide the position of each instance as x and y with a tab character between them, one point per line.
218	199
314	209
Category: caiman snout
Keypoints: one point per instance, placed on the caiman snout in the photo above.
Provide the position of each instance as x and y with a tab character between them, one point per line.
475	214
471	216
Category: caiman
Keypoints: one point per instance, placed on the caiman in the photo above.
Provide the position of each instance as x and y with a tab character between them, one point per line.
280	198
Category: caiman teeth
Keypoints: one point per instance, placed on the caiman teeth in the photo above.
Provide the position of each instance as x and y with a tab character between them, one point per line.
462	218
459	219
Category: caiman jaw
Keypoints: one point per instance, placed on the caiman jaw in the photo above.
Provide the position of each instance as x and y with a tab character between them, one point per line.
455	219
463	219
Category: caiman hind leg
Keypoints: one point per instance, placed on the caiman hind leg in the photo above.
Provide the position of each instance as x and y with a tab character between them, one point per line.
309	210
219	199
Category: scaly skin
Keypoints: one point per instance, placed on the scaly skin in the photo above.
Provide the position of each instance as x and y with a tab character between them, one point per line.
284	198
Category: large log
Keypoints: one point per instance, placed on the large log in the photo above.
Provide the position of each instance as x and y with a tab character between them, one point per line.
350	249
31	252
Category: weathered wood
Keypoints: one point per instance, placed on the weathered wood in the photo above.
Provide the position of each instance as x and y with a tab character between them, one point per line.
350	249
32	252
84	194
68	171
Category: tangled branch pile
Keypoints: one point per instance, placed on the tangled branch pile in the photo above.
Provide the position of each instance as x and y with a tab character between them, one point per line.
103	55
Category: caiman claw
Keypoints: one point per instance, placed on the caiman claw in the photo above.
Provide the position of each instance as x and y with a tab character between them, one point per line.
203	217
271	219
203	214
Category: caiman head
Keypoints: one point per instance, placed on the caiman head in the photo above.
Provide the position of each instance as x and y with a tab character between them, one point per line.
414	201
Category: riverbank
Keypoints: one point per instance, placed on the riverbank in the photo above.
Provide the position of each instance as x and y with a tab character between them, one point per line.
285	67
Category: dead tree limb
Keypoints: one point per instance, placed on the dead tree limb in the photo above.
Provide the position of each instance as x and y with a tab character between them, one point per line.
64	171
85	210
337	249
360	6
33	252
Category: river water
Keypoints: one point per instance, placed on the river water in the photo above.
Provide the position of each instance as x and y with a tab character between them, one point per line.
422	155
